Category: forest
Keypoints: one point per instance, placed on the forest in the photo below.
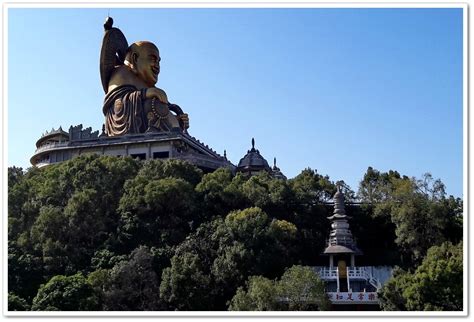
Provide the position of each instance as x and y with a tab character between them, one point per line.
99	233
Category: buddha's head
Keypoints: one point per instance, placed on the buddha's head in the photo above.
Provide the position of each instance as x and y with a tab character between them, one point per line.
143	58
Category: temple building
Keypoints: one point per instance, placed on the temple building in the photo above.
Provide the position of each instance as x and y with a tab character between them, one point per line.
253	163
58	145
348	286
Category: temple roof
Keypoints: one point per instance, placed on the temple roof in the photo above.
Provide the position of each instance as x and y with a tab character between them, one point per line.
338	249
253	161
59	133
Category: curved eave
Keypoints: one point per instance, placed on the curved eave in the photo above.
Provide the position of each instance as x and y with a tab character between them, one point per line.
339	217
338	249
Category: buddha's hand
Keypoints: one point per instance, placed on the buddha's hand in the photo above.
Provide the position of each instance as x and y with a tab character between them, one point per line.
185	119
155	92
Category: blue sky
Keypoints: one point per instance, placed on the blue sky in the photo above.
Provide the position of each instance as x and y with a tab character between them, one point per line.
336	90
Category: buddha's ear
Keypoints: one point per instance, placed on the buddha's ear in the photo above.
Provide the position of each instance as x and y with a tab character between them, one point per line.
134	58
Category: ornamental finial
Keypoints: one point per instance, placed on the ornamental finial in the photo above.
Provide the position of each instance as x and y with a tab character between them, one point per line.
339	201
253	143
109	22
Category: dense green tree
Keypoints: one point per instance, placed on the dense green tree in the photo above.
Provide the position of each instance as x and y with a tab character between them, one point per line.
208	267
158	205
312	188
130	285
106	259
274	196
171	168
391	295
48	236
453	210
418	209
435	285
25	272
23	205
378	186
60	214
157	212
186	285
260	294
420	217
221	193
16	303
299	289
303	290
159	235
15	175
66	293
17	196
105	174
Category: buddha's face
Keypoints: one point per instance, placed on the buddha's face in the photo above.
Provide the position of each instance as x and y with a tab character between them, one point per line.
148	64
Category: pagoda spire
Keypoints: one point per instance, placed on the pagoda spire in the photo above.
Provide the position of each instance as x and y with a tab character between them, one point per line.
339	202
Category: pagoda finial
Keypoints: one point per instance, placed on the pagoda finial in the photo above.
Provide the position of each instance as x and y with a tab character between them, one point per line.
253	143
274	162
225	154
339	201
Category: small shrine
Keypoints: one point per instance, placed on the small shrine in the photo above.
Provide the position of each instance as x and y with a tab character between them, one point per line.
341	247
348	286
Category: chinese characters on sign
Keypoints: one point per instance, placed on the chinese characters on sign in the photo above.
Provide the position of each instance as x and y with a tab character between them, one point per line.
356	297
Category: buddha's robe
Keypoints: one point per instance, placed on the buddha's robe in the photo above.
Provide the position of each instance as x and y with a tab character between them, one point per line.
124	111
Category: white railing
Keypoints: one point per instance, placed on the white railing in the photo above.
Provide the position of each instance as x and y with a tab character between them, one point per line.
365	273
327	273
353	273
358	272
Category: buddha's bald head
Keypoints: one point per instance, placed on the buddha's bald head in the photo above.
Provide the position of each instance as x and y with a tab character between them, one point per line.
143	57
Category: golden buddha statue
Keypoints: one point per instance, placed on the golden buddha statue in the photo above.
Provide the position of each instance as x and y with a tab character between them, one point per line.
132	103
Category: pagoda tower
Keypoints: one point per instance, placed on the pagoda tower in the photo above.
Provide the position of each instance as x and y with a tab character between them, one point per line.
341	247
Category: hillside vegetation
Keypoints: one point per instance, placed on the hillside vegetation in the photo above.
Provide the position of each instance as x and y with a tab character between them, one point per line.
108	233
